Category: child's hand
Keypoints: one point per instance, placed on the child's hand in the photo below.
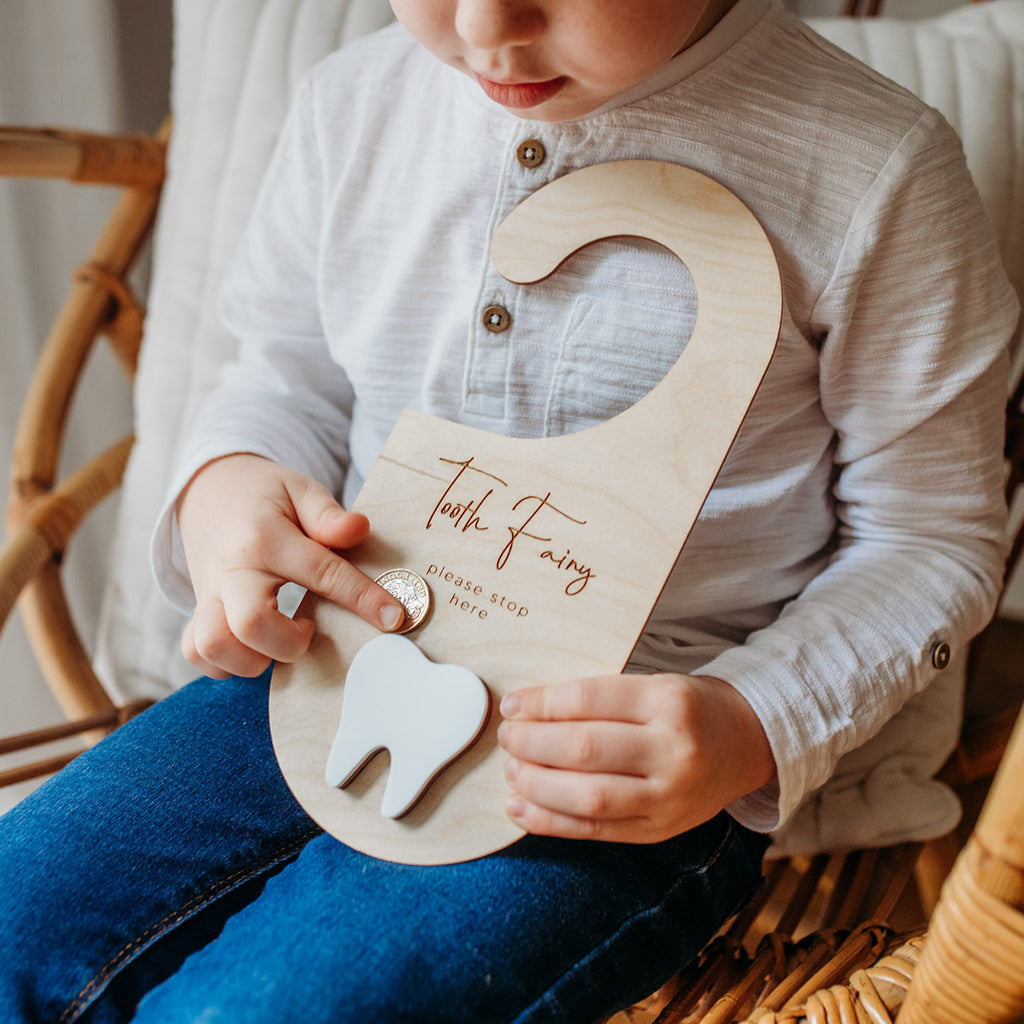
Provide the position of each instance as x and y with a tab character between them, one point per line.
248	526
630	758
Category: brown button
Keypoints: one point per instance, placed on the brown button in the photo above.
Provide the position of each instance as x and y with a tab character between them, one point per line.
531	153
496	319
941	655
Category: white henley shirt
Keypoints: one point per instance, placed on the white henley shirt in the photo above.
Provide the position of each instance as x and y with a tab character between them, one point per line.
858	520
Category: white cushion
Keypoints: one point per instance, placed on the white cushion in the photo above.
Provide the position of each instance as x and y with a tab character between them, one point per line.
236	63
969	64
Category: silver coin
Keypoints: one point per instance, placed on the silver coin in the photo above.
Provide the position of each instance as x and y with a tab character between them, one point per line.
411	589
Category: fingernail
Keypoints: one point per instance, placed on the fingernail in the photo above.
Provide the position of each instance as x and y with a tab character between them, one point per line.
511	769
391	616
515	806
502	733
511	705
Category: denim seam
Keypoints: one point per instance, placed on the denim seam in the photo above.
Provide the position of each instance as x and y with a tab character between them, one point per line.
596	950
95	985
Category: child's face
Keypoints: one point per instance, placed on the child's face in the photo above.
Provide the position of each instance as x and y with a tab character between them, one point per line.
551	60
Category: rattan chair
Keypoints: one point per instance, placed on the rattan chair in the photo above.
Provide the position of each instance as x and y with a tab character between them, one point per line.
42	512
829	938
967	968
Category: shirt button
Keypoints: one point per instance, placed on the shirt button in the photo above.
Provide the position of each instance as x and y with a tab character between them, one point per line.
496	319
531	153
941	655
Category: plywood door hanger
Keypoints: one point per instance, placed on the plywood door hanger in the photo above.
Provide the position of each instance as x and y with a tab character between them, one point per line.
562	544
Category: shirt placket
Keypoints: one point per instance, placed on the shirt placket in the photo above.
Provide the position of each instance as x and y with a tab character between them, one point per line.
492	332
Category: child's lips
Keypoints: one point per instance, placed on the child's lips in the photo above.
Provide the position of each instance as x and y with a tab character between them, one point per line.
521	95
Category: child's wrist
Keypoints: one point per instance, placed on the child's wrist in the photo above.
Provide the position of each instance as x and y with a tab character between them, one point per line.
745	736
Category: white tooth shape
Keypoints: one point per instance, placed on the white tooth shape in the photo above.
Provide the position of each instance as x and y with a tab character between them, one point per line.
422	713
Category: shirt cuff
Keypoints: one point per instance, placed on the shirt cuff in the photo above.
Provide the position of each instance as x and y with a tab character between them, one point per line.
796	734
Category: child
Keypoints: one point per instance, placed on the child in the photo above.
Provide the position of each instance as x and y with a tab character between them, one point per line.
853	538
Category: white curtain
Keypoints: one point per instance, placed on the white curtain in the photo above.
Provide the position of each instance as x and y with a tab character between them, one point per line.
97	65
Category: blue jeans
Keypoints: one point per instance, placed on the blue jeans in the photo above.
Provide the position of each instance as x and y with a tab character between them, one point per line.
168	875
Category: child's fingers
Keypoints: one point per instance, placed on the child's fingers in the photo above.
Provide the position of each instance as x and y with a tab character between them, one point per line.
594	795
315	567
612	698
254	619
599	746
542	821
192	656
210	642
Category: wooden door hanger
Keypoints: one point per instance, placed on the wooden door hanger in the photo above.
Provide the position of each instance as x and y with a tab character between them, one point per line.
544	557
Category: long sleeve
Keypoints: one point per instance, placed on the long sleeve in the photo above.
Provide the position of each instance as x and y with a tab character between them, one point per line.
913	370
284	397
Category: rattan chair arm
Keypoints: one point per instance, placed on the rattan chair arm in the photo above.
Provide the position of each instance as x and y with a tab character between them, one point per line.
24	553
970	970
1000	828
42	515
82	157
87	311
38	529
